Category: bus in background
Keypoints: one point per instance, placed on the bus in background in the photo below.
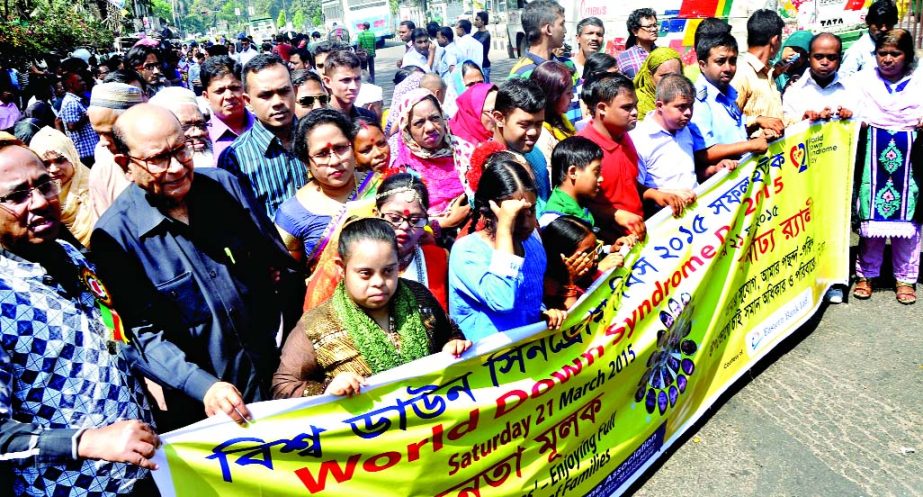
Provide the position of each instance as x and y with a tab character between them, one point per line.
679	18
351	13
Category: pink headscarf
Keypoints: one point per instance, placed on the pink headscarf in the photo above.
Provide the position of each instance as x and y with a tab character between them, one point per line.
467	121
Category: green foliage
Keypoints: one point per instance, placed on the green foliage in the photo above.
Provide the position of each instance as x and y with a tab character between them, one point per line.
52	25
298	20
280	21
162	9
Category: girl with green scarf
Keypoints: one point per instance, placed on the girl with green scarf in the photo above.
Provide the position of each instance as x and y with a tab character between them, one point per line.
659	63
374	322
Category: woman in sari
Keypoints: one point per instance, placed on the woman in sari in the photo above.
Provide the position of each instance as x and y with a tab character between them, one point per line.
60	156
402	200
472	123
309	220
464	76
374	322
888	206
555	79
424	146
659	63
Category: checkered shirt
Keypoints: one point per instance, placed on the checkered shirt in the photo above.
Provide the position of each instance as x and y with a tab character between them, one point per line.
56	371
631	60
73	111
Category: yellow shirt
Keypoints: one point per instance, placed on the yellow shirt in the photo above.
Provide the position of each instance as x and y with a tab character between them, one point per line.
757	94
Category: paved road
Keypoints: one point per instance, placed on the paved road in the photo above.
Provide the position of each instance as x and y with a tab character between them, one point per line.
836	410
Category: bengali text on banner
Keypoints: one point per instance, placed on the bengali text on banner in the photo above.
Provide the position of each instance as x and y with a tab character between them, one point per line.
579	411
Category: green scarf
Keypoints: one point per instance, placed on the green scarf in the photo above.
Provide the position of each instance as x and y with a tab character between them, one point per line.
645	88
372	341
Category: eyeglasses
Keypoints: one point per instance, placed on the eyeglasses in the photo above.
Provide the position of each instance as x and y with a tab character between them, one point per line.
650	27
159	163
398	220
325	156
832	57
48	188
310	99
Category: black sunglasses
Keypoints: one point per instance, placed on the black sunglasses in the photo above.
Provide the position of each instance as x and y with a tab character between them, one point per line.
309	100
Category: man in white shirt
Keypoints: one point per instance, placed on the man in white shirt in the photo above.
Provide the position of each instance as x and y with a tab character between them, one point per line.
666	157
881	18
821	94
447	60
246	52
468	47
422	54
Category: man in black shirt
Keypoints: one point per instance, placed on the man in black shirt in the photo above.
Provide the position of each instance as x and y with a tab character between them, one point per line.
483	36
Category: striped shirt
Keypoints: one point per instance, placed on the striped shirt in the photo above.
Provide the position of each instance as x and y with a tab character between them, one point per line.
260	160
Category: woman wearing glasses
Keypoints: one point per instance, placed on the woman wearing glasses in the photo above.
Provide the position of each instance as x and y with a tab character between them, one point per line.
402	201
58	153
423	145
309	220
309	92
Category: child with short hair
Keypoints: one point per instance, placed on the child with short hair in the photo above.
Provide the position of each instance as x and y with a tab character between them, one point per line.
519	113
613	104
576	163
666	157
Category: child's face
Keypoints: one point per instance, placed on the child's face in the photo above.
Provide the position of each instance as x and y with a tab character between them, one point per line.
370	273
620	115
586	180
676	113
520	129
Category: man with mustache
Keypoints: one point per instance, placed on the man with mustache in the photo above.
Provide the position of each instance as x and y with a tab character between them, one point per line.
224	92
196	271
183	104
590	36
73	415
718	127
262	157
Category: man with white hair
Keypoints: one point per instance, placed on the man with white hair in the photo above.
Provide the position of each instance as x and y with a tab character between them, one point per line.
183	104
107	102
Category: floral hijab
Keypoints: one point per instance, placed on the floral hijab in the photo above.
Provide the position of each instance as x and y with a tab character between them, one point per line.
404	110
409	84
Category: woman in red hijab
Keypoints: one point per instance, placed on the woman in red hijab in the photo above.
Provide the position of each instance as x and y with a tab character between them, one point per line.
473	123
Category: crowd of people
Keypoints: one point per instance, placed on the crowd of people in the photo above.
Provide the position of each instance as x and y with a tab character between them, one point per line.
177	243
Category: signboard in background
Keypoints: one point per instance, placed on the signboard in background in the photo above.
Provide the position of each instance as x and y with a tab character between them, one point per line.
579	411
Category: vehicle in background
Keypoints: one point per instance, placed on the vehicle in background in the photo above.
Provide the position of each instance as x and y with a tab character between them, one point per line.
262	29
350	13
679	18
